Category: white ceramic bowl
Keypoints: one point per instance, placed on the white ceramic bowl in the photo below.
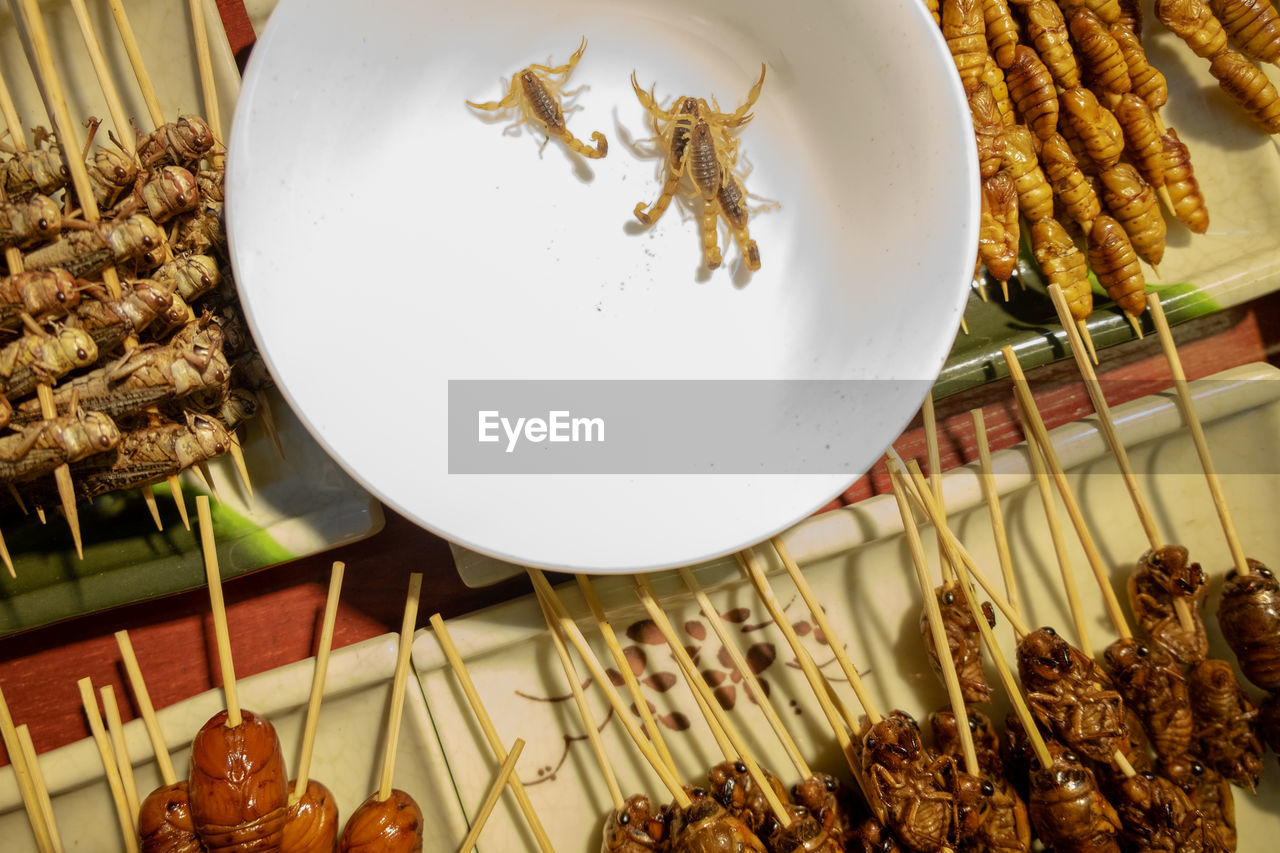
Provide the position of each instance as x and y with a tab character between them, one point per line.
388	239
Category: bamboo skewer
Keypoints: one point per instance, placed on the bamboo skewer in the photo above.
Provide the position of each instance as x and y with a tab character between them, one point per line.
41	790
491	798
212	112
1049	503
589	724
575	636
135	60
115	730
1027	404
992	495
820	617
934	616
22	773
398	685
214	579
935	480
490	733
624	668
118	116
142	699
922	497
1107	427
312	722
699	685
109	765
837	718
988	637
1197	434
13	260
749	679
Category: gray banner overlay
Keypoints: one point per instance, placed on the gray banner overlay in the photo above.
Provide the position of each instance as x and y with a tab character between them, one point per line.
668	427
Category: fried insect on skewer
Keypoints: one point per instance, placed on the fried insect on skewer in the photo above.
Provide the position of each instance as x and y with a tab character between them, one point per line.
1181	184
1095	126
1225	720
1156	814
1047	30
1162	576
1032	89
1249	616
637	827
1155	689
964	27
29	222
536	91
1071	189
1148	82
999	229
1006	826
1253	25
1132	201
1100	54
964	643
1115	263
908	787
1195	24
1035	196
1062	264
1068	810
1209	792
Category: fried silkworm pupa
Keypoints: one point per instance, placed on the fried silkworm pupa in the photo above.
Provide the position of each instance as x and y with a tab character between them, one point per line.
1100	53
988	129
164	821
1067	692
393	825
238	787
1108	10
1002	31
1249	616
1148	82
1096	127
1156	814
705	827
964	640
1142	140
1070	187
538	97
1153	688
637	827
1192	22
1047	30
1249	87
932	6
1253	25
1160	575
1035	196
1130	16
1180	181
1132	201
1068	811
1062	264
1208	791
1115	263
311	822
964	27
993	76
1225	721
1032	90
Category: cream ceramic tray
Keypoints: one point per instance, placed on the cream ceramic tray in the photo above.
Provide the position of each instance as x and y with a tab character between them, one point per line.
857	562
347	757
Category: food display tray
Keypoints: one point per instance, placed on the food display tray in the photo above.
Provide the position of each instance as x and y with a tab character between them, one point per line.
302	501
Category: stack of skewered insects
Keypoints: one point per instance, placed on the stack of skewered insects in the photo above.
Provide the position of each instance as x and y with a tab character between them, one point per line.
117	305
1070	144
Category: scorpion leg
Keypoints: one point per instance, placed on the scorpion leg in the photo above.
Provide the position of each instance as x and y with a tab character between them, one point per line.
740	116
567	68
674	172
512	98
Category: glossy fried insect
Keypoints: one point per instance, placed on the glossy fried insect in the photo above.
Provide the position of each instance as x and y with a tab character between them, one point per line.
536	91
112	173
993	76
237	787
35	358
1115	263
1160	575
1071	188
1148	82
1153	688
1253	25
36	170
1249	616
1226	723
1005	826
872	836
988	129
1195	24
705	827
1248	86
37	449
1068	811
133	241
998	231
1132	201
1032	89
1062	264
41	294
311	821
964	641
1070	695
1142	141
830	803
637	827
1095	125
27	223
964	27
1107	10
1047	30
164	821
907	789
1180	181
1001	31
1035	196
1100	54
1130	16
732	786
804	834
1208	791
1158	815
393	825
